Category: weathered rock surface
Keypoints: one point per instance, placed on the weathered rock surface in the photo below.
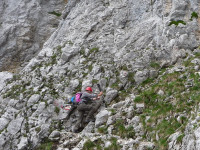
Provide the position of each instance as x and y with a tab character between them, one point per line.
118	44
24	27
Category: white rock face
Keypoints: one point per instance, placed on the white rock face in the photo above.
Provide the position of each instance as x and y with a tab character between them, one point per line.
101	118
15	126
24	27
3	77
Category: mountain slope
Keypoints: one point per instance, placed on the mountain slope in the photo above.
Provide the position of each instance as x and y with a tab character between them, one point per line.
145	57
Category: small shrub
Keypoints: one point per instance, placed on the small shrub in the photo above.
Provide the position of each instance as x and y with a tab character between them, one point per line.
114	145
82	52
94	81
103	130
45	146
138	99
194	15
57	110
177	22
155	65
179	139
53	59
147	81
95	49
38	129
113	111
122	131
55	13
89	145
90	67
131	77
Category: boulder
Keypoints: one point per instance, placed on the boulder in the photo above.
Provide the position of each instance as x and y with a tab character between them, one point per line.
54	136
33	99
3	123
15	126
141	76
101	118
23	143
110	95
3	77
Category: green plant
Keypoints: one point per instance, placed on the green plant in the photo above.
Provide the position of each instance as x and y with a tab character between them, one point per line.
179	139
82	52
122	131
90	67
177	22
103	130
113	111
55	13
53	59
95	49
131	77
114	145
89	145
46	145
94	81
38	129
138	99
194	15
155	65
57	110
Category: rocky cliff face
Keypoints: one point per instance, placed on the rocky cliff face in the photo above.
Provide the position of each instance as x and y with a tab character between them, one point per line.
24	27
127	47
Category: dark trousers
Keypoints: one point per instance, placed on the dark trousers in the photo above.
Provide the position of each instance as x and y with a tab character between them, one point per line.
73	107
82	108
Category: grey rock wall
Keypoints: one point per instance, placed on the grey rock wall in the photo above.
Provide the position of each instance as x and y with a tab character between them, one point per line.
24	27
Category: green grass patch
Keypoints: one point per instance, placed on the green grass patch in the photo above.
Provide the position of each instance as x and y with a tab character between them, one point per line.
155	65
45	146
55	13
122	131
57	110
103	130
194	15
93	50
180	138
89	145
176	22
114	145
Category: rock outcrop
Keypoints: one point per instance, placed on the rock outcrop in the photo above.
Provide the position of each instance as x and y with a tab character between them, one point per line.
24	27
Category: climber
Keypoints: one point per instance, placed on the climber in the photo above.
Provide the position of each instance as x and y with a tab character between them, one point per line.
87	103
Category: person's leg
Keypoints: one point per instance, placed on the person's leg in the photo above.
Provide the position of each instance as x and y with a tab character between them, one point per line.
95	107
78	122
81	110
73	107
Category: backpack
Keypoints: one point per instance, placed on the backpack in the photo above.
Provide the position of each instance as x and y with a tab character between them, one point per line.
76	98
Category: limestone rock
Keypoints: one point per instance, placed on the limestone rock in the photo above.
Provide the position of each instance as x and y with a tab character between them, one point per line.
141	76
25	26
3	123
23	143
54	136
110	96
101	118
3	77
15	126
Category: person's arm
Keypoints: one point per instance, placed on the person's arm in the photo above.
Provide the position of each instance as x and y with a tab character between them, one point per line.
98	96
89	95
101	93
